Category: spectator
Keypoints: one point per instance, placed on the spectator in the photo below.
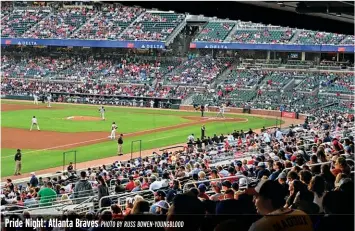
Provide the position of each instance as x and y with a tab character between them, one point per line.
317	186
130	186
47	195
103	192
140	207
82	188
119	188
158	196
270	201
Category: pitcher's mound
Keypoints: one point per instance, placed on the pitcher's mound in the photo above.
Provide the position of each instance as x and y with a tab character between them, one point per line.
83	118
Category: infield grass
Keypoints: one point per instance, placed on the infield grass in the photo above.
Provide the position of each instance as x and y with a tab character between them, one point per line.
134	120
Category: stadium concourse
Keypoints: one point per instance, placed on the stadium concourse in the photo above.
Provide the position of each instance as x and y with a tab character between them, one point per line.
300	177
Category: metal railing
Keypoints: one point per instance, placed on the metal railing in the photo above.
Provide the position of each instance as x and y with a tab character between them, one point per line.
120	199
185	188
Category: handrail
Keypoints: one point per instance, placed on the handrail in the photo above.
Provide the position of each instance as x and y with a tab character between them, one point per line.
123	195
212	180
83	202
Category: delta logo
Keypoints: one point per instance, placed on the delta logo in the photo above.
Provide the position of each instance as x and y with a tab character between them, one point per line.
8	42
192	45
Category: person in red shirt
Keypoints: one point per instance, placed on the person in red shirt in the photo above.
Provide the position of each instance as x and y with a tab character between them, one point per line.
202	192
130	185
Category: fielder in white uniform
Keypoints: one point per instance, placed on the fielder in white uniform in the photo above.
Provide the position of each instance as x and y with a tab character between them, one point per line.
34	122
221	111
102	112
49	98
35	99
113	131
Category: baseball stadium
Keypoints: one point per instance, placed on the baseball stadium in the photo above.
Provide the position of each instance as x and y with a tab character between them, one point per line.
164	115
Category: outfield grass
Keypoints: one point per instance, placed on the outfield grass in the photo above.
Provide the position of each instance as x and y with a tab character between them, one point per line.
55	120
35	160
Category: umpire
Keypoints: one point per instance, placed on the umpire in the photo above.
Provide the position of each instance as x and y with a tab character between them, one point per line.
120	143
18	157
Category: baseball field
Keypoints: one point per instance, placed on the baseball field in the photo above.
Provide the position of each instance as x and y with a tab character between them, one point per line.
65	127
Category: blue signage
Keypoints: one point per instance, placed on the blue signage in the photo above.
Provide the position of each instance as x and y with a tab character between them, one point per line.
274	47
83	43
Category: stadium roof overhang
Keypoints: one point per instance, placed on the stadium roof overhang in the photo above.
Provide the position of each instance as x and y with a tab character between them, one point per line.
342	11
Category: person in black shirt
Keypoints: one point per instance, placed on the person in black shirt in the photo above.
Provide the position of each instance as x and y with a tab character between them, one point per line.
203	130
222	138
70	167
235	134
215	139
198	144
242	134
205	141
202	108
120	144
18	157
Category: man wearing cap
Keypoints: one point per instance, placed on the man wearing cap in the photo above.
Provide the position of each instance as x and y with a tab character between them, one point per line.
217	189
226	185
202	192
162	208
270	203
18	157
158	196
33	180
262	171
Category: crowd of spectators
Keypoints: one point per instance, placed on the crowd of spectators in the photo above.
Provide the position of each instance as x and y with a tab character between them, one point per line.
61	24
263	36
108	23
17	22
306	171
153	26
198	71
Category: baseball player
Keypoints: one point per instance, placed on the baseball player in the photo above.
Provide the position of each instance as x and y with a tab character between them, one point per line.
35	99
221	111
49	98
34	122
102	112
113	131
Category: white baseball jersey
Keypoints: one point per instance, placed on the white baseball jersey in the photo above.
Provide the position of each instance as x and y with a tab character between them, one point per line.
113	127
34	120
102	110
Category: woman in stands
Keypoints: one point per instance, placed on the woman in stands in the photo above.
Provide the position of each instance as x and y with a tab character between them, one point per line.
103	191
317	186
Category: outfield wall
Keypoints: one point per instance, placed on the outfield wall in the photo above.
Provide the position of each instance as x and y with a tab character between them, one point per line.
261	112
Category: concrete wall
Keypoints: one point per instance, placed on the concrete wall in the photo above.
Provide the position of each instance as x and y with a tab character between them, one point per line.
240	110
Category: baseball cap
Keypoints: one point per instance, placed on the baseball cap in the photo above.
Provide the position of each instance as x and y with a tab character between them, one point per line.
163	205
261	164
160	193
202	188
260	184
227	184
33	173
282	175
243	182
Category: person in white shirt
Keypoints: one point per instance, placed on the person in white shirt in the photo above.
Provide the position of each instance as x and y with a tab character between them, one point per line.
113	131
191	138
278	134
266	138
35	99
34	122
151	103
49	98
221	111
102	112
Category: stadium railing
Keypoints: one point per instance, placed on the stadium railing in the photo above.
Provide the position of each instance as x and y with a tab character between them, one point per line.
185	188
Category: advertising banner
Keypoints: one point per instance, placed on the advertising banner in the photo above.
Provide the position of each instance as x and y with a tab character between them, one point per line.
83	43
273	47
288	114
